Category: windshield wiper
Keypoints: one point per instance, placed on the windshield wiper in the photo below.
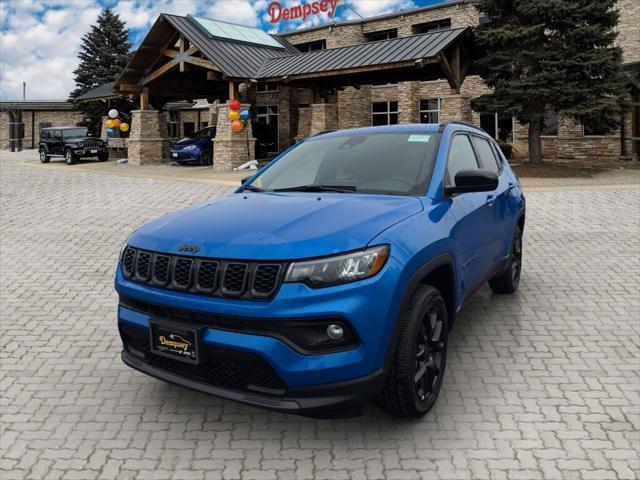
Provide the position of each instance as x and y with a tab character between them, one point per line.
318	188
251	188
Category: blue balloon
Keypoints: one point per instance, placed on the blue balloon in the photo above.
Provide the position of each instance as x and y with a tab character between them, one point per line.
244	114
111	132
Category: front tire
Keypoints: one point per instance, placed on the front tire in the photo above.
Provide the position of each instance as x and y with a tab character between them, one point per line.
69	157
415	378
507	281
205	157
103	157
44	158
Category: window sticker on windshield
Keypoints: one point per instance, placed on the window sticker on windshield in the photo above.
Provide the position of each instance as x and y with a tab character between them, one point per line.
419	138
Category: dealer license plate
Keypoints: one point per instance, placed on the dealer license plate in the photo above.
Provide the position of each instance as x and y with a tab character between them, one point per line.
174	155
94	150
174	341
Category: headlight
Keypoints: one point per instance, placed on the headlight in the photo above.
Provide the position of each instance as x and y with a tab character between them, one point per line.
190	147
122	249
340	268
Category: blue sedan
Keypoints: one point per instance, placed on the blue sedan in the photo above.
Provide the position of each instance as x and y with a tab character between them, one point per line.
197	149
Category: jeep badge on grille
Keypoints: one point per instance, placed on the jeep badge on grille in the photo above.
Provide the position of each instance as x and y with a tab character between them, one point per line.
189	248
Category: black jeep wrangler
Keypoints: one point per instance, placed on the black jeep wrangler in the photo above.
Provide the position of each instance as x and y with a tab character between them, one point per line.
71	143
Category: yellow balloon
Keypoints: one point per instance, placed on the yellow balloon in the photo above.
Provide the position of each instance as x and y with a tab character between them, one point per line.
124	127
234	115
110	123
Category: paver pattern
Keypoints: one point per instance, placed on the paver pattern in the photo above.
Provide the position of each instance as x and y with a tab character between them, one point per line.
541	384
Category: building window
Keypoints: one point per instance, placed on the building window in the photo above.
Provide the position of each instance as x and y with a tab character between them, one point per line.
204	125
550	124
312	46
435	26
592	130
188	129
173	125
266	87
384	113
499	126
383	35
266	130
430	110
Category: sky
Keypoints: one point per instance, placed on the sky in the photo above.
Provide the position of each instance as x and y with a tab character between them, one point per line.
40	39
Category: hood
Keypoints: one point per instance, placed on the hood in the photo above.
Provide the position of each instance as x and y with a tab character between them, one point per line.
276	226
184	141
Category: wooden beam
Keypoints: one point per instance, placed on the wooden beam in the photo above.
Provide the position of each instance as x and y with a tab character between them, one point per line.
449	73
159	71
144	99
201	62
191	50
130	88
181	46
170	52
232	90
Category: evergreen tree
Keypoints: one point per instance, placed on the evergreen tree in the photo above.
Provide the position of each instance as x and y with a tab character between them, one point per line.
103	55
551	54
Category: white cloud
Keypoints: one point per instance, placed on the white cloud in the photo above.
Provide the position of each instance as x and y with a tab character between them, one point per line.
39	43
370	8
243	12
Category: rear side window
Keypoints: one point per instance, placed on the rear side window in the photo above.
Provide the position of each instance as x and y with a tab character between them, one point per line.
486	155
461	157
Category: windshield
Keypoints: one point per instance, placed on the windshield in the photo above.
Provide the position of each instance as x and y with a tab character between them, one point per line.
75	132
387	164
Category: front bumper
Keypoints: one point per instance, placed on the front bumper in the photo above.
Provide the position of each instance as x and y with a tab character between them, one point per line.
335	400
184	155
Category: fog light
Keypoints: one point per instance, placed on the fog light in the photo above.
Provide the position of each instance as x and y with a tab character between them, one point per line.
335	331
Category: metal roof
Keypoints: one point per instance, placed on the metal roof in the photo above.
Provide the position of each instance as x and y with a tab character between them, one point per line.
42	105
370	54
100	93
235	59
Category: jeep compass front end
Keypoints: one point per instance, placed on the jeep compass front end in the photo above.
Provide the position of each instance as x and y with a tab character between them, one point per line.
329	278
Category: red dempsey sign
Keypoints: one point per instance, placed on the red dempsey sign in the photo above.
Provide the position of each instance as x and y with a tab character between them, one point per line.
277	12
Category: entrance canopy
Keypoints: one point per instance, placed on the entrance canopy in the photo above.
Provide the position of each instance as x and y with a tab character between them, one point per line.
193	57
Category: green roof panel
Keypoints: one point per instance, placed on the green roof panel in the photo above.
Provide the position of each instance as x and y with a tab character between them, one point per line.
236	33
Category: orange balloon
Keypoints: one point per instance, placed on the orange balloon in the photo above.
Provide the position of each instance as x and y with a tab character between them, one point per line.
116	123
237	126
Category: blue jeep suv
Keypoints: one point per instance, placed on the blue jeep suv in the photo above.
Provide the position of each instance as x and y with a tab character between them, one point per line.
331	277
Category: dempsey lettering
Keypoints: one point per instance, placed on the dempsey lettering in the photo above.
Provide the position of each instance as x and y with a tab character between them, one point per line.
277	12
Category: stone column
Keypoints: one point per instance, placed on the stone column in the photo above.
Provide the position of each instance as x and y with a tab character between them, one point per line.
408	107
148	142
304	123
231	149
103	128
455	107
324	116
213	113
355	107
4	131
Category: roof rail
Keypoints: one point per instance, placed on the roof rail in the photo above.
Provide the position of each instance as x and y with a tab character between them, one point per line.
457	122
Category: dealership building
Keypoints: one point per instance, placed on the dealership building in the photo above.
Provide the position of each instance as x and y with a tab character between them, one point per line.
408	67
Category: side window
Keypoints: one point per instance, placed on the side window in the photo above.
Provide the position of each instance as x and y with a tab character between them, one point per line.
461	157
498	154
486	155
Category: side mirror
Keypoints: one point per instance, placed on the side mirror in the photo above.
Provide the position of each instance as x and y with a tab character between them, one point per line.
245	180
474	181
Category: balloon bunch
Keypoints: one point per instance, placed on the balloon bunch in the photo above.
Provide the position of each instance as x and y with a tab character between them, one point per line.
114	124
239	119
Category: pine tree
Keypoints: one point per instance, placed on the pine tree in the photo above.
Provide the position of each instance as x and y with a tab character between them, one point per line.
103	55
540	55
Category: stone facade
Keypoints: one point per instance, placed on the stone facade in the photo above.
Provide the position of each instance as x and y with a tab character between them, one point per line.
33	120
230	149
148	143
629	30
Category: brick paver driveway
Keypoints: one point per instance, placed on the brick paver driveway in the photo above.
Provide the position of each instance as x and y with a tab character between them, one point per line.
542	384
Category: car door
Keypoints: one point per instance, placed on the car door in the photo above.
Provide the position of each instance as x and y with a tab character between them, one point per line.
497	201
473	218
57	142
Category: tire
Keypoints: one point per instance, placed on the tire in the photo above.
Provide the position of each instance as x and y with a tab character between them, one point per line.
205	157
103	157
69	157
507	281
422	347
44	158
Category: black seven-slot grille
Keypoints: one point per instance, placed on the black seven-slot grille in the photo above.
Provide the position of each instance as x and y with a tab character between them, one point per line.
221	278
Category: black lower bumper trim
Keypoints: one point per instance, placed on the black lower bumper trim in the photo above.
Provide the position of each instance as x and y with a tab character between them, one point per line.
332	400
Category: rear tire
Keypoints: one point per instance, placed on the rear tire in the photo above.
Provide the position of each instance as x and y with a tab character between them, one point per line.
69	157
415	378
507	281
44	158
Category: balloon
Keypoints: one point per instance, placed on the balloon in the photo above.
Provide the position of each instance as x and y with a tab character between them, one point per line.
109	123
244	114
234	115
113	113
234	105
124	126
237	126
116	123
111	132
